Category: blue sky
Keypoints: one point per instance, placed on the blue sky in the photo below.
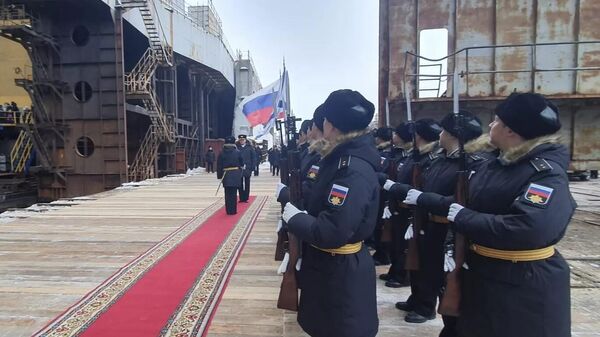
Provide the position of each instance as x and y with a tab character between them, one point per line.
327	44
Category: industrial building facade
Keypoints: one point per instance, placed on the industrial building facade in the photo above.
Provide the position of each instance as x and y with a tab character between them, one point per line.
120	91
497	47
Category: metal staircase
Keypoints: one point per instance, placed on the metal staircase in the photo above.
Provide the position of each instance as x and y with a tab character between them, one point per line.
21	150
139	85
143	164
44	88
148	10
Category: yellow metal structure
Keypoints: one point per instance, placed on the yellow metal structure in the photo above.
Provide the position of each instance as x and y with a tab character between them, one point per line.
21	150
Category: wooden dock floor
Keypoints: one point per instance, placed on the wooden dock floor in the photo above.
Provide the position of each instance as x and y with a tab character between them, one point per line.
50	260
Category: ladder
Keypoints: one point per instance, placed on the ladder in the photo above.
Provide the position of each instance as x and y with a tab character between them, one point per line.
21	150
147	8
143	164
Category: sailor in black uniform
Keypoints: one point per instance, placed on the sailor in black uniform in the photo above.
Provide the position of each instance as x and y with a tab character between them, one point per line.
338	275
229	171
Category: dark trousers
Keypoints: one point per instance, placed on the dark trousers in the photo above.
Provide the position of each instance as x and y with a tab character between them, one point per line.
398	247
449	329
275	170
245	189
210	167
230	200
256	170
427	284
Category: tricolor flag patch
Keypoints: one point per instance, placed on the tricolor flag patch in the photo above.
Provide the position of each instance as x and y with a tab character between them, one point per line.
338	195
538	194
313	172
382	160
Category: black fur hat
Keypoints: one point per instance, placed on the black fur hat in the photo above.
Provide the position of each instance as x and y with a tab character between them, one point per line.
471	125
530	115
384	133
348	110
403	131
318	117
428	129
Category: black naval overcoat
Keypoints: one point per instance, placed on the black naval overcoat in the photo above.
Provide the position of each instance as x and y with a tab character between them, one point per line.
230	157
338	295
249	158
522	204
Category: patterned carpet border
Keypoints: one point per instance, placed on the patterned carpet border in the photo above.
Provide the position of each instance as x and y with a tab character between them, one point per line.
83	313
194	313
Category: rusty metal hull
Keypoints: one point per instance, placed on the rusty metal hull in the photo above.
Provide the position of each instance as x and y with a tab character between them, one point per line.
550	47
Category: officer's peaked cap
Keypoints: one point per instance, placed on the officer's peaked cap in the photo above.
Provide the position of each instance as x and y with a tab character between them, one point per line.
529	115
428	129
471	125
348	110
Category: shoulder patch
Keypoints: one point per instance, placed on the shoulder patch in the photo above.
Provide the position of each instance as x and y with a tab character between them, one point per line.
313	172
541	165
477	157
538	195
344	162
383	159
337	195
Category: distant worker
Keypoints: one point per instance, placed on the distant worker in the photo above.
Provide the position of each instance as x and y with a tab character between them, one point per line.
209	157
248	156
229	170
276	158
337	276
258	151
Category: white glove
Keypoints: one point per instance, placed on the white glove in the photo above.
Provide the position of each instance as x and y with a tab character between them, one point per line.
280	186
453	211
409	233
299	264
388	184
289	211
386	213
279	226
412	196
283	266
244	167
449	263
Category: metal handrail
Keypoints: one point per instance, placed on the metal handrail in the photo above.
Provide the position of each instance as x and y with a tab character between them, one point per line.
533	69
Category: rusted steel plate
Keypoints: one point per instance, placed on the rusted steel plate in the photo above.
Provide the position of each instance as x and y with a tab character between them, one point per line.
586	140
475	27
588	82
514	25
555	23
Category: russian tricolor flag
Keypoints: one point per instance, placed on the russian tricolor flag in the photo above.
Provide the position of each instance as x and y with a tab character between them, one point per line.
259	110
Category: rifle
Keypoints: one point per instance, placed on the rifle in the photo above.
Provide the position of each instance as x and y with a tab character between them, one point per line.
412	254
450	303
288	294
282	237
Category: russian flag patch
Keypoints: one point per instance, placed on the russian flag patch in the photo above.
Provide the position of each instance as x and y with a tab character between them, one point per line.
312	172
338	195
538	194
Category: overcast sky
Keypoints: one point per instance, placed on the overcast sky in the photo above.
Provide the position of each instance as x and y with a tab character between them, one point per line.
327	44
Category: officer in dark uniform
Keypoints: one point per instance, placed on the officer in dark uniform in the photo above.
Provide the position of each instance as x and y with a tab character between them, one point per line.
519	206
337	276
383	140
441	177
248	157
303	143
397	275
427	133
259	158
229	171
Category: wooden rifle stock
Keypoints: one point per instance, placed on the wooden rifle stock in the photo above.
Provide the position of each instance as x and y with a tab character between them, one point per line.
450	303
288	294
412	254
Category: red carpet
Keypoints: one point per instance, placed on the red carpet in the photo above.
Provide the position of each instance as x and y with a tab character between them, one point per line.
170	289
